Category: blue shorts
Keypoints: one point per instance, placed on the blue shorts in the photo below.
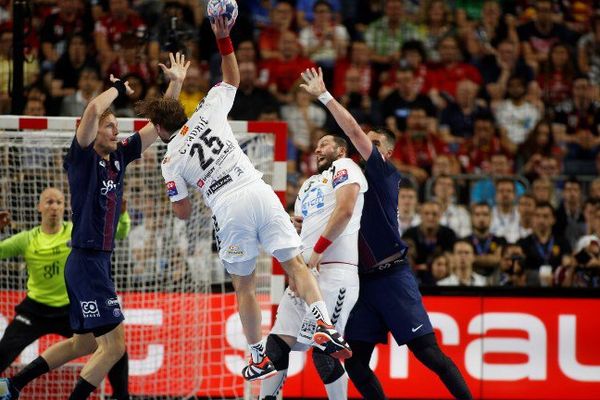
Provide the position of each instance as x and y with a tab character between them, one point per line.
389	301
92	296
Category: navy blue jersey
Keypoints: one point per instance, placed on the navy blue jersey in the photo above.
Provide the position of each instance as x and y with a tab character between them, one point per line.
379	237
96	191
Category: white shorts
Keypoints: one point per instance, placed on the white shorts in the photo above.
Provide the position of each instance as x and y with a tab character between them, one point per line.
339	286
250	217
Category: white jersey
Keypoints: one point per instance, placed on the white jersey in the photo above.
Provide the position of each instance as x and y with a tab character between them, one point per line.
316	202
205	154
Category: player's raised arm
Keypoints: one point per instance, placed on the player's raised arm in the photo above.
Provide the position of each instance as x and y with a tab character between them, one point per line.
176	74
88	127
229	66
315	86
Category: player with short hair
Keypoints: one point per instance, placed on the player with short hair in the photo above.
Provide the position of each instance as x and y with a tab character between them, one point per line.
204	153
45	309
329	205
389	297
95	167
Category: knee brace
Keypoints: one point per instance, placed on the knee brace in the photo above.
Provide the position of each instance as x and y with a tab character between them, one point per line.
278	352
329	368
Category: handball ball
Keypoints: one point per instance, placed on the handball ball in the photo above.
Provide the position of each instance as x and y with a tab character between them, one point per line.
217	8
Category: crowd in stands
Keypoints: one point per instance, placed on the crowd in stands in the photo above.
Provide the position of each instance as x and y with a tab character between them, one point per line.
495	105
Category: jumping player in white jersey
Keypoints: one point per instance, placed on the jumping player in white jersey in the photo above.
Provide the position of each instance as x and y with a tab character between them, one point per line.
330	205
204	153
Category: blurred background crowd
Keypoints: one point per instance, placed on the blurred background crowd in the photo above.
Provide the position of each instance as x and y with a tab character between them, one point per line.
494	104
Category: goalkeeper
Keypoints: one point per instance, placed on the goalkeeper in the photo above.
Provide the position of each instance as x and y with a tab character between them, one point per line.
45	309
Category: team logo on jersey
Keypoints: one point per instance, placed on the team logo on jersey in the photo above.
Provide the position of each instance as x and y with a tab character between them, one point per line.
200	183
90	309
171	189
108	186
125	142
184	130
102	164
340	176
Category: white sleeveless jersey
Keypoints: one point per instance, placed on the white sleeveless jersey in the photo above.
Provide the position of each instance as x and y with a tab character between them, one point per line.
316	202
205	154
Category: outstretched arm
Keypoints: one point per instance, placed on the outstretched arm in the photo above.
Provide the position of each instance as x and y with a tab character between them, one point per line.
176	74
229	66
315	86
88	127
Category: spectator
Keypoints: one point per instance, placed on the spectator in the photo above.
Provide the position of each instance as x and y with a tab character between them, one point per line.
538	36
125	105
555	77
428	237
358	60
305	11
413	53
457	119
120	22
526	208
366	12
475	152
302	116
31	70
505	215
492	29
67	20
589	208
386	35
34	108
516	116
585	271
543	247
539	144
130	59
463	274
570	220
594	189
441	82
512	271
65	77
579	111
441	266
250	100
437	25
284	73
87	88
546	167
354	99
194	89
417	147
587	52
496	69
454	216
324	41
282	20
543	191
172	33
407	207
484	189
396	107
487	245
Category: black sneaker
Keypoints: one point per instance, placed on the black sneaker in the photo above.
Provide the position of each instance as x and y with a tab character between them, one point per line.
256	371
334	344
7	390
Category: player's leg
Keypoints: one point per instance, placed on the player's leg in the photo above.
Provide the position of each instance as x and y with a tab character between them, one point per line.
111	347
20	333
278	350
427	351
361	373
248	308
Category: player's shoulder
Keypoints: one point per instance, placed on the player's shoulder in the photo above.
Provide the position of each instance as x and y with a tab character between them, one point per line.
345	162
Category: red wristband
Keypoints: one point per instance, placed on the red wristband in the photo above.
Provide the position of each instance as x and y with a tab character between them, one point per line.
322	244
225	46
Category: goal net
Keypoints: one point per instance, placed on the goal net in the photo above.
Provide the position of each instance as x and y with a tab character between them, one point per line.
183	333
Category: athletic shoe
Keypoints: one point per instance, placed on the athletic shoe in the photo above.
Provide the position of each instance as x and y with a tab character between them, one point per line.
334	344
255	371
7	390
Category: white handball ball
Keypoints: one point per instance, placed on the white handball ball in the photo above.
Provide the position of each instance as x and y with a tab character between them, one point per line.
217	8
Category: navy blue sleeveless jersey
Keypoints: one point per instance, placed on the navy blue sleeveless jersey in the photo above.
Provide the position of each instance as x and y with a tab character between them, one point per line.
379	237
97	190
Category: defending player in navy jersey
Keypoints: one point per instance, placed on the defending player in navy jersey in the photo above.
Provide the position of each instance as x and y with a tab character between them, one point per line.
389	299
204	153
95	167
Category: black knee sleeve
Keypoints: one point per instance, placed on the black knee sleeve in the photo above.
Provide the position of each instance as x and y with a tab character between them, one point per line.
329	368
278	352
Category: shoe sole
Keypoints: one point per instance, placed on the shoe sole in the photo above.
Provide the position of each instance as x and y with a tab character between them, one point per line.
261	377
341	354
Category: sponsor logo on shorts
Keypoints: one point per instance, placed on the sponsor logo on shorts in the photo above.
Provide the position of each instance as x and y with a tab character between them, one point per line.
234	250
117	312
340	176
90	309
218	185
417	328
112	302
171	189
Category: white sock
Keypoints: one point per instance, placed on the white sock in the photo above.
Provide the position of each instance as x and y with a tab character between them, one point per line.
272	385
257	351
319	310
338	390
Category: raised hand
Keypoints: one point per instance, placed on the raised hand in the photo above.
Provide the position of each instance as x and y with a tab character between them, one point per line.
128	90
220	27
178	69
314	81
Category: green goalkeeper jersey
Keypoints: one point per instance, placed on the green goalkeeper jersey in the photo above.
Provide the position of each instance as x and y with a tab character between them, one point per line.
45	256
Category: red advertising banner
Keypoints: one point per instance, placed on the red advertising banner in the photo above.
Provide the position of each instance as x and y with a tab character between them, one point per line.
507	348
